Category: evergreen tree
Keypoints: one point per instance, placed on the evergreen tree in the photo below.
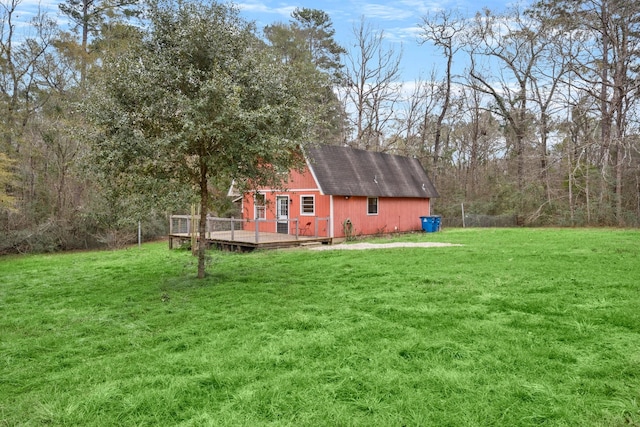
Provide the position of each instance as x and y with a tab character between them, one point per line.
197	102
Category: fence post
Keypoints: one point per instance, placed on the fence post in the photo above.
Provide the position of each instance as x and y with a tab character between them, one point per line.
462	205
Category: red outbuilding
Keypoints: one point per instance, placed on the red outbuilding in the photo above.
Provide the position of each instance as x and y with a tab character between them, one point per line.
344	192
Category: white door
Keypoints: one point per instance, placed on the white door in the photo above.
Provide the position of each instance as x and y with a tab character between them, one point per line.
282	212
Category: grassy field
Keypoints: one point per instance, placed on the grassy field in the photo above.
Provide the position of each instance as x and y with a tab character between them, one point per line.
515	327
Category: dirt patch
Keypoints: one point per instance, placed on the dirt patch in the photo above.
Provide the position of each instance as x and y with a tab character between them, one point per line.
361	246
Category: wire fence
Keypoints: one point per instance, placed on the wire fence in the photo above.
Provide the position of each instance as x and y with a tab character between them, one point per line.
474	220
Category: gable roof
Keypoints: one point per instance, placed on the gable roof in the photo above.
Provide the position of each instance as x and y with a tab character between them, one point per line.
348	171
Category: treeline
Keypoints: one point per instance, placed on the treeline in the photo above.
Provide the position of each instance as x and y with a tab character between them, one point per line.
533	114
50	196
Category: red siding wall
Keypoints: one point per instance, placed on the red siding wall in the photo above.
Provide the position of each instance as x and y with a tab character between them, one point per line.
394	215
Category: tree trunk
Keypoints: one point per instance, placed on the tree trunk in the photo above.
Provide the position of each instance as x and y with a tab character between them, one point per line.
444	111
618	194
202	226
544	163
570	170
85	41
638	195
587	191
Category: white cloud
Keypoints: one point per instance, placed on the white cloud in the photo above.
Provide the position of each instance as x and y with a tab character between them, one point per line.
259	7
49	5
27	10
420	7
384	12
407	34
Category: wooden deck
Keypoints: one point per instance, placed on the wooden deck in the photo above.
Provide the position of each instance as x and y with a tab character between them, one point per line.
240	240
244	241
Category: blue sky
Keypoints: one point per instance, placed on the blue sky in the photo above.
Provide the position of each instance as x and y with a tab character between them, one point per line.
399	20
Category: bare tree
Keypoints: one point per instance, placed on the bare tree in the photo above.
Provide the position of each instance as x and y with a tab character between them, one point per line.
372	89
443	30
509	40
605	68
19	59
414	116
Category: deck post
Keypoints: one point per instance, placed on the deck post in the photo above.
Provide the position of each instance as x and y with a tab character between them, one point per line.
257	227
233	228
297	221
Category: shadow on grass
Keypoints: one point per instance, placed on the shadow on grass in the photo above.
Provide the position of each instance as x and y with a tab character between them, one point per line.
190	281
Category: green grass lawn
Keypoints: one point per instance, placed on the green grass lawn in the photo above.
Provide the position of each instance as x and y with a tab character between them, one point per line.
516	327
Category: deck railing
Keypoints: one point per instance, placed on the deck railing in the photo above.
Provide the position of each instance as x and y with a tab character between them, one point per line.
230	228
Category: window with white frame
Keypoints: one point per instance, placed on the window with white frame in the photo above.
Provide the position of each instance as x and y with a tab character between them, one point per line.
260	202
307	205
372	206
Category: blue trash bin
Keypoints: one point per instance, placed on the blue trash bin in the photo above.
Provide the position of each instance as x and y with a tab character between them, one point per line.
430	224
436	222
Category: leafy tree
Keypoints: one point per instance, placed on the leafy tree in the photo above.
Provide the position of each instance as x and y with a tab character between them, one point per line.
197	102
307	44
316	28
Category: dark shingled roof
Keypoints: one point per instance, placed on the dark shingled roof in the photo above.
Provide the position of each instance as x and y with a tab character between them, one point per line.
348	171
